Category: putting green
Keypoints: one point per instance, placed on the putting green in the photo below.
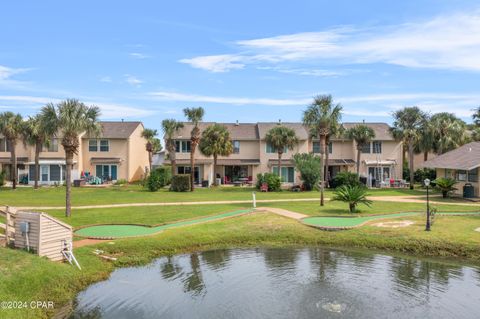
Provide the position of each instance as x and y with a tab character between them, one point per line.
119	231
349	222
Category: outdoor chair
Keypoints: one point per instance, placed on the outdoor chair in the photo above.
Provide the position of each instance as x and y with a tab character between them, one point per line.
264	187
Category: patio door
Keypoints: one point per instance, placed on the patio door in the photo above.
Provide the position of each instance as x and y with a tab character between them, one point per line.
234	172
379	173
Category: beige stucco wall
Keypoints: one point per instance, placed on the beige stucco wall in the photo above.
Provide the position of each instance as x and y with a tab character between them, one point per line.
137	159
118	148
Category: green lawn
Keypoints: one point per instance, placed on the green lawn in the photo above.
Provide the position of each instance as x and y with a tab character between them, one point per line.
55	196
27	277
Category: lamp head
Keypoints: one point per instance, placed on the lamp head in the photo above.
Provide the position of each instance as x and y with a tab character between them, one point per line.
426	182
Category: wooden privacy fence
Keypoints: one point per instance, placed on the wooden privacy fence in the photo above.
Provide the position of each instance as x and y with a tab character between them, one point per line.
9	226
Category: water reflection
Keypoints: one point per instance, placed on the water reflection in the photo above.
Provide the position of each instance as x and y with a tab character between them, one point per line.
285	283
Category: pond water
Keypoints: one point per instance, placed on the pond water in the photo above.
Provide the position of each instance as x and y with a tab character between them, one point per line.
285	283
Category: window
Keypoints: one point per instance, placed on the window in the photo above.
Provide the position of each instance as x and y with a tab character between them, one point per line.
182	146
288	174
104	146
473	175
377	147
92	146
44	173
52	146
4	145
271	149
461	175
236	147
316	147
365	148
107	172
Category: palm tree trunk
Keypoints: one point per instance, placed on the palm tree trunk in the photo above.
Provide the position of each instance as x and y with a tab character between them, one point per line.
13	159
150	161
68	174
214	169
425	156
327	142
410	163
192	166
173	157
359	154
38	148
322	163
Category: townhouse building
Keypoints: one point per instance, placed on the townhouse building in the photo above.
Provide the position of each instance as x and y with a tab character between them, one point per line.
381	159
118	153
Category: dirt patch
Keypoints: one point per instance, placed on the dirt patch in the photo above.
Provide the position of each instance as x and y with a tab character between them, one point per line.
395	224
87	242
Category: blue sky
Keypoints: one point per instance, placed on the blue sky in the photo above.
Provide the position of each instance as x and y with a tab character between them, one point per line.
249	61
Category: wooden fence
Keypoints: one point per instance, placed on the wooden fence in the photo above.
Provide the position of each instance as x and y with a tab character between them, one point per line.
9	226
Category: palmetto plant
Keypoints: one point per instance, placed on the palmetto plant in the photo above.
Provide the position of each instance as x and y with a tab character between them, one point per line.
11	126
152	144
407	124
72	118
170	128
195	116
216	142
281	138
353	195
319	117
36	133
362	135
446	185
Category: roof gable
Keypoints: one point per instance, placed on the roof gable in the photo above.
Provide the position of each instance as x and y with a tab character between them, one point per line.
119	129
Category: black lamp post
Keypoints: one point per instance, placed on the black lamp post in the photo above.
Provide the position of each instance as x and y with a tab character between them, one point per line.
427	183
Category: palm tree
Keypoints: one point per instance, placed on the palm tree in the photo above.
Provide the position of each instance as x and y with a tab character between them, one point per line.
37	134
216	141
72	118
152	144
407	126
194	115
476	116
318	117
281	138
11	126
170	128
353	195
362	135
449	132
446	185
426	141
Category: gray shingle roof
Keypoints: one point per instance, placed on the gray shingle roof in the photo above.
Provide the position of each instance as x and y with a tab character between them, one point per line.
300	130
117	129
465	157
382	130
242	131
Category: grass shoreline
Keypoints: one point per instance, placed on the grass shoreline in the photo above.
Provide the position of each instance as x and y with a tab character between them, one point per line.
39	279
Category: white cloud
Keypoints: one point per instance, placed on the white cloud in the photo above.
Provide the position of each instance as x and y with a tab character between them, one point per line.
133	80
20	103
138	55
445	42
106	79
6	73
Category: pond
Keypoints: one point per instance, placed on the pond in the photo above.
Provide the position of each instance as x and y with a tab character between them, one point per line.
285	283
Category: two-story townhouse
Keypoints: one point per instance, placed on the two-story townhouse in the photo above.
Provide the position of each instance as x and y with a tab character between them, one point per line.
118	153
381	159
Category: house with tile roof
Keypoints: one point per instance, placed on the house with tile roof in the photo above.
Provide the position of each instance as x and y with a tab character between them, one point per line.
381	159
118	153
461	164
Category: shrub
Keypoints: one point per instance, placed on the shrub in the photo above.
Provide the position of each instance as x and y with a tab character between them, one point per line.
3	175
273	181
121	181
165	175
445	185
180	183
153	182
309	167
345	178
423	173
353	195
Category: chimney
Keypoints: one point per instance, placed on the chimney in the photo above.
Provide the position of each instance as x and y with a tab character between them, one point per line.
236	123
279	121
122	120
363	121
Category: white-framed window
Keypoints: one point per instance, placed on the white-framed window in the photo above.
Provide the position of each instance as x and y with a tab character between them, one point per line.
182	146
98	145
4	145
365	148
52	146
377	147
288	173
270	149
461	175
236	147
44	173
316	147
473	175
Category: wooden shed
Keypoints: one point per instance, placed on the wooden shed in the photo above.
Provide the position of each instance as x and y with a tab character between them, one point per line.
42	233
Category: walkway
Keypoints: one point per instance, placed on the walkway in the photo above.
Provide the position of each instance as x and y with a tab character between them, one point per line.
400	199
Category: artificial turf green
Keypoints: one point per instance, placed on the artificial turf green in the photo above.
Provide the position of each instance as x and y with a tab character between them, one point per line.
119	231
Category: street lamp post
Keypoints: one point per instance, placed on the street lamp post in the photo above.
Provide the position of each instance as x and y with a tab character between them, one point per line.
427	183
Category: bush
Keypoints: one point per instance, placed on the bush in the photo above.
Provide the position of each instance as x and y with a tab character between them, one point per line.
273	181
353	195
180	183
121	181
309	167
345	178
3	175
423	173
153	182
445	185
165	175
